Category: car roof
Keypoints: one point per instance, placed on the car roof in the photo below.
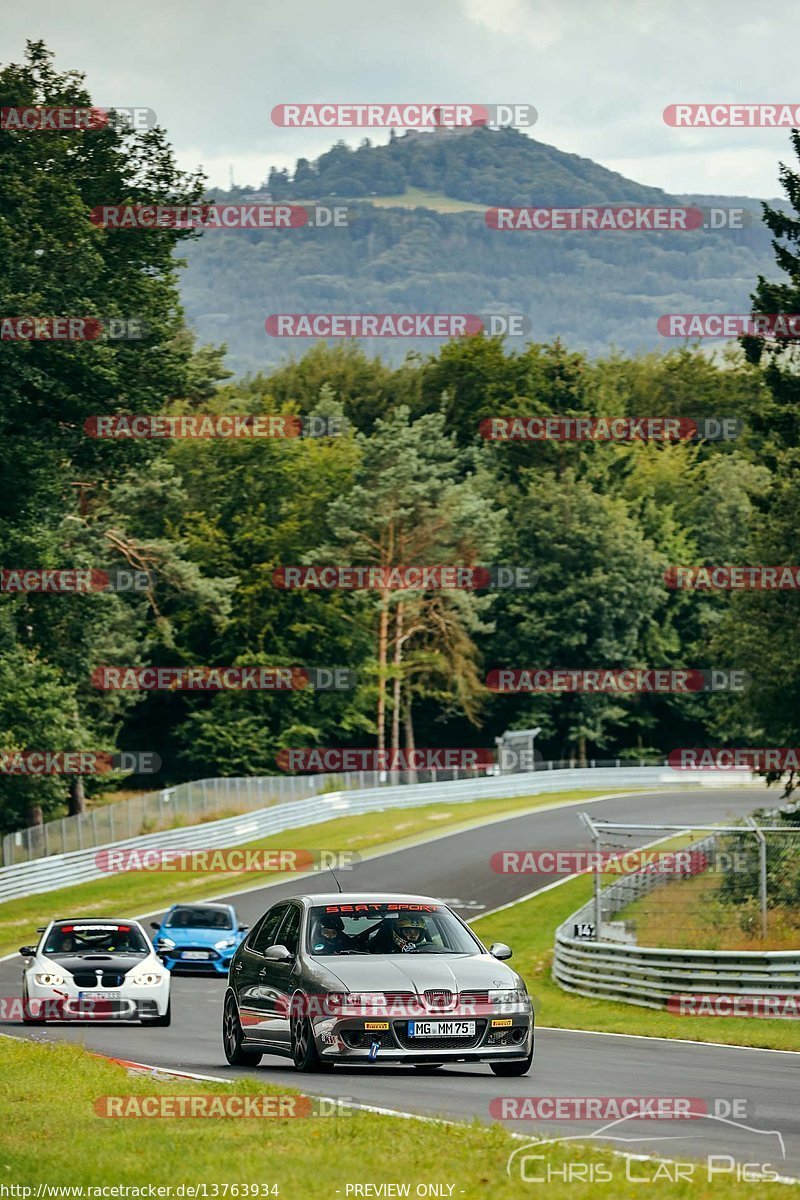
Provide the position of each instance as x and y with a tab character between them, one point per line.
200	904
368	898
95	921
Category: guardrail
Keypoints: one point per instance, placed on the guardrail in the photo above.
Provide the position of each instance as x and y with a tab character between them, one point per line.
63	870
650	976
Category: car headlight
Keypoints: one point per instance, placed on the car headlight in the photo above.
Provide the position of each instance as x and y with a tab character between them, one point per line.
337	1000
147	979
165	943
507	996
225	944
48	979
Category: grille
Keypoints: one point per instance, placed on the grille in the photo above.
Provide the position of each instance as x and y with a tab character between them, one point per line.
365	1038
442	1043
439	999
88	979
210	954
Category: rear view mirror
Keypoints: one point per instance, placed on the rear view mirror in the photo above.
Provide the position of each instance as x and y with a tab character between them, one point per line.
155	924
27	951
500	950
243	928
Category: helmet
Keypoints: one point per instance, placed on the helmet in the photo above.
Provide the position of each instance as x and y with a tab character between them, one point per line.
408	928
331	921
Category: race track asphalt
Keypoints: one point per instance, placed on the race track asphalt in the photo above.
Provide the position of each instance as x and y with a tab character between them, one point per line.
456	868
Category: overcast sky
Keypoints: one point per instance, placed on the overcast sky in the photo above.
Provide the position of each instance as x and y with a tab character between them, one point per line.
599	72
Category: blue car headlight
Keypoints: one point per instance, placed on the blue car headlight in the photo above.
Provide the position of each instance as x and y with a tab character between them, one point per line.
225	944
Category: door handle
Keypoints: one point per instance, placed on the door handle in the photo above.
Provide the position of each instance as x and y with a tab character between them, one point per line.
238	966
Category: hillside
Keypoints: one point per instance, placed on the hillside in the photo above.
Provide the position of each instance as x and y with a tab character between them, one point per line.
417	241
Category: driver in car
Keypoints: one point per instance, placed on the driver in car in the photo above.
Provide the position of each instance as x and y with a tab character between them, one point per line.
399	935
330	937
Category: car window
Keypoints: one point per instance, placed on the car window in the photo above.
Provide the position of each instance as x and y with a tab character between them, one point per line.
289	933
95	937
187	916
265	934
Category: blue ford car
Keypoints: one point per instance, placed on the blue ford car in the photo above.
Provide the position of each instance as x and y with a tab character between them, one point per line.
200	938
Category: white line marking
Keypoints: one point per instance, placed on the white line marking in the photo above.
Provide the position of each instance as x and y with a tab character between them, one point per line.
652	1037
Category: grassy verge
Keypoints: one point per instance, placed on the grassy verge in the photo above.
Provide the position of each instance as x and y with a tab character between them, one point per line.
51	1134
135	892
528	927
689	914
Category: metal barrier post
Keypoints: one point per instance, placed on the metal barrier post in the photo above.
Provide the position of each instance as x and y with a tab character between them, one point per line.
762	872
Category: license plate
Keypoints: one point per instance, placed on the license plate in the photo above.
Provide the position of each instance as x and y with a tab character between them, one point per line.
195	954
441	1029
98	995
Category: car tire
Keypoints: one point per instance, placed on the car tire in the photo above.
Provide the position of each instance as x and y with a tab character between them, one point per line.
165	1020
233	1037
514	1067
305	1055
27	1019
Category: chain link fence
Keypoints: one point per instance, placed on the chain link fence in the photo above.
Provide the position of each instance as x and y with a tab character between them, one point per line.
724	887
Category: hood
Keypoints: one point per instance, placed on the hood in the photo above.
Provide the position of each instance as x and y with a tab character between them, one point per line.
113	964
195	937
421	972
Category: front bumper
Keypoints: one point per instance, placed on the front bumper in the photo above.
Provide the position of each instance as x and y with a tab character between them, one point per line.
68	1002
497	1037
218	965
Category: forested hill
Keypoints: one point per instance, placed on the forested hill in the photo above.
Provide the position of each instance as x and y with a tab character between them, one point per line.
481	166
408	248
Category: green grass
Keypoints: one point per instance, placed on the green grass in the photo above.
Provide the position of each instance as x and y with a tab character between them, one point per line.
51	1134
135	892
528	928
414	197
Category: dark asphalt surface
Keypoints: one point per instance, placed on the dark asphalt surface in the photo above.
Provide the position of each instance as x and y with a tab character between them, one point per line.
456	868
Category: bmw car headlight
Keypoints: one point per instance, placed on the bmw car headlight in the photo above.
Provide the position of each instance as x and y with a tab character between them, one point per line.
147	979
48	979
225	944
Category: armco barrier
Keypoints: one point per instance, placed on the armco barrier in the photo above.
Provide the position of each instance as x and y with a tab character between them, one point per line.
649	976
62	870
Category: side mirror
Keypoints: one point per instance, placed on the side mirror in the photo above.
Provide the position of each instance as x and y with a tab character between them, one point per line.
27	951
278	954
243	928
155	924
500	950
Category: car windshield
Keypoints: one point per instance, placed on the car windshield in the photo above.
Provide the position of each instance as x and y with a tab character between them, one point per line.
101	938
387	928
192	916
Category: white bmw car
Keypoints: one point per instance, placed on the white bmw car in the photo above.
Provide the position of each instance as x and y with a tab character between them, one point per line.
94	969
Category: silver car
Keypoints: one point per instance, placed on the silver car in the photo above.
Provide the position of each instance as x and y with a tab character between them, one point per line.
383	978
